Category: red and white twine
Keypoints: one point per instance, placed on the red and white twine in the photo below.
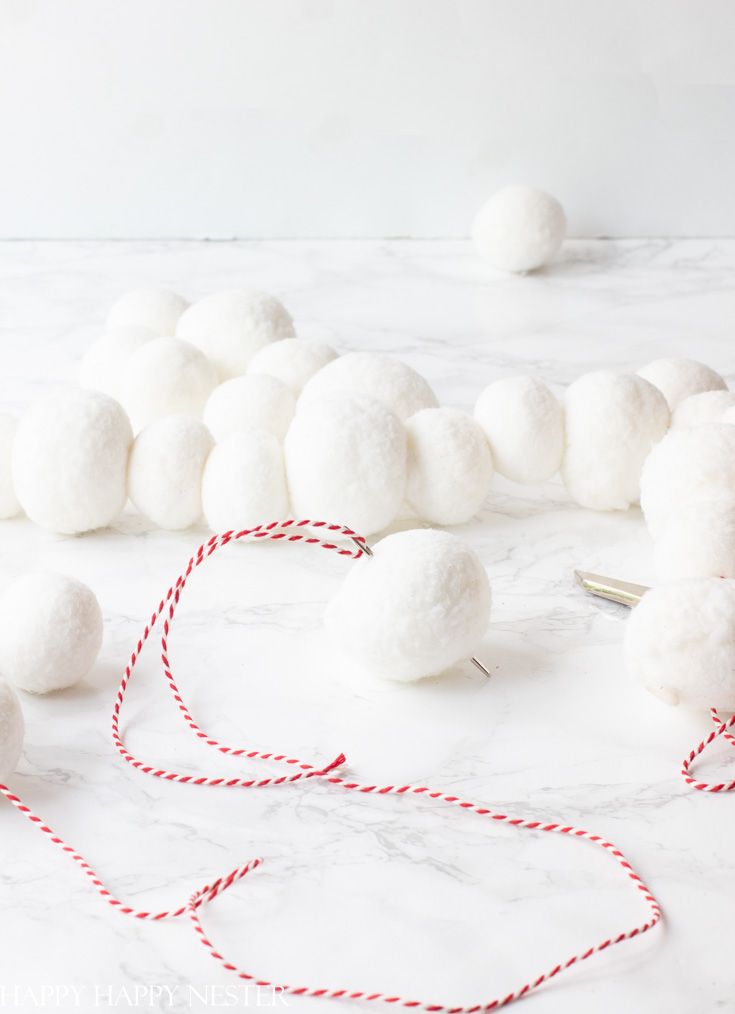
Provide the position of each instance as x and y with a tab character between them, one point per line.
301	771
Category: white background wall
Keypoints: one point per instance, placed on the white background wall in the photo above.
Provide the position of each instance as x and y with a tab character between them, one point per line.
362	117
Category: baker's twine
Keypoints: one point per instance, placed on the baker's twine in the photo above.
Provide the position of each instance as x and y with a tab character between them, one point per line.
303	531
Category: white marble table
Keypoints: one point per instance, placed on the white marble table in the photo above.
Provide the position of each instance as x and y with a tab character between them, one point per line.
362	892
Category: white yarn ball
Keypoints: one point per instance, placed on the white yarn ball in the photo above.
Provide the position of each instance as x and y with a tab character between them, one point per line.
703	408
680	643
103	364
12	730
292	360
9	505
52	632
418	606
166	376
524	425
70	459
519	228
157	309
689	466
346	462
230	327
244	482
612	422
449	465
728	416
388	380
698	540
165	471
678	379
251	402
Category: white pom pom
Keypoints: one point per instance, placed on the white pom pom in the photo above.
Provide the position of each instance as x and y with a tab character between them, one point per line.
519	228
346	462
383	378
70	458
230	327
157	309
166	376
292	360
700	409
9	505
52	632
680	643
524	425
688	466
165	471
251	402
698	540
244	482
449	466
12	730
418	606
612	422
728	416
678	379
103	364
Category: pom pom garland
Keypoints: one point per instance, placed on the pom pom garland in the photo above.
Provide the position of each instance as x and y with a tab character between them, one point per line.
103	365
12	730
166	376
244	482
700	409
678	379
156	309
251	402
519	229
294	361
697	540
9	505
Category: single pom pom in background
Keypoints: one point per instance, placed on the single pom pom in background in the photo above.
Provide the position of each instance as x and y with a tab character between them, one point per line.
449	466
165	471
9	504
294	361
524	425
703	408
612	422
689	466
680	643
52	632
415	608
346	462
250	402
678	379
157	309
70	459
12	730
697	540
519	228
244	482
230	327
387	380
103	364
166	376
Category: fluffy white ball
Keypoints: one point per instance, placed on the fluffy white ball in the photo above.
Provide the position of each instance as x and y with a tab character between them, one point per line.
166	376
165	471
388	380
9	505
103	364
519	228
244	482
524	425
415	608
292	360
699	409
449	466
728	416
678	379
612	422
346	462
230	327
70	459
157	309
251	402
680	643
698	540
12	729
52	632
689	466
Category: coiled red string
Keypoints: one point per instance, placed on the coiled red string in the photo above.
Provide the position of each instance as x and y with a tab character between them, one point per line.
300	531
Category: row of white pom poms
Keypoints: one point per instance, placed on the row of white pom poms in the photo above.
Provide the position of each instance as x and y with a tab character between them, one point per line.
306	432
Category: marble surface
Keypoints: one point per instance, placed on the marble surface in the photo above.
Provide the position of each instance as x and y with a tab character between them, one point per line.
384	893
